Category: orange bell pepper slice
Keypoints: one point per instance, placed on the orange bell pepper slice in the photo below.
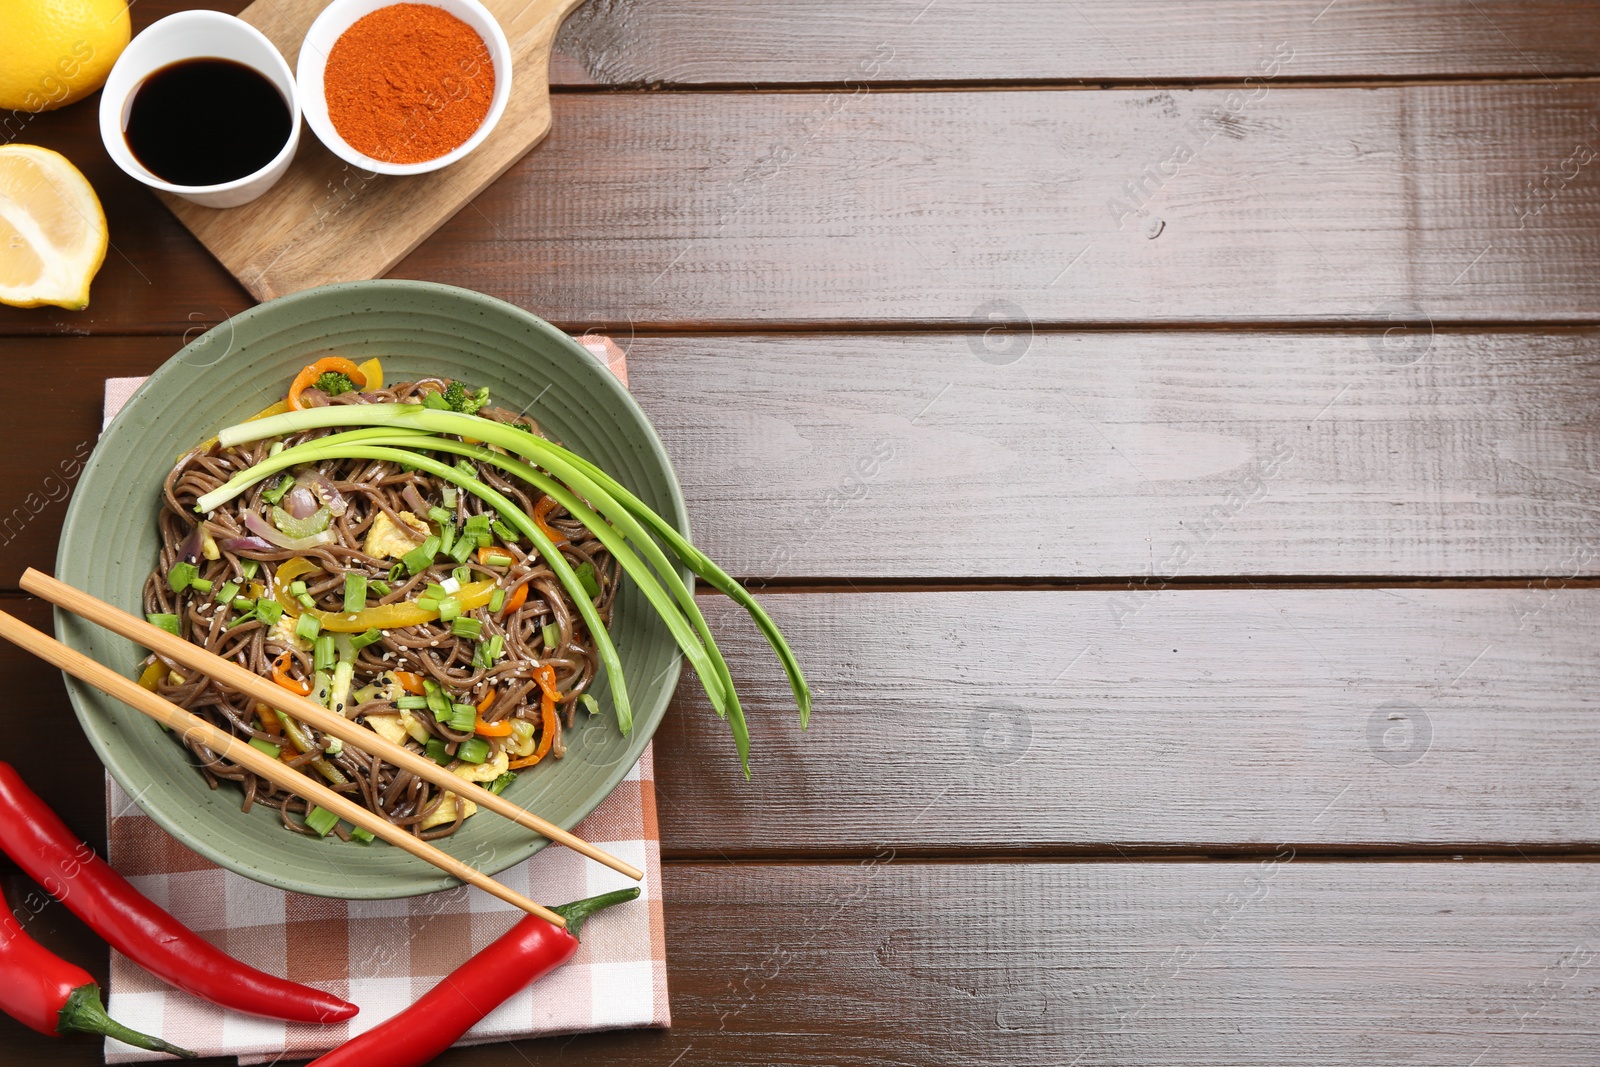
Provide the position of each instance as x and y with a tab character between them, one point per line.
411	683
518	598
280	674
547	712
308	377
543	508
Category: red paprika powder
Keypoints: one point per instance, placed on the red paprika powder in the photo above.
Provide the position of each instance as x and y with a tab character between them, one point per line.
408	83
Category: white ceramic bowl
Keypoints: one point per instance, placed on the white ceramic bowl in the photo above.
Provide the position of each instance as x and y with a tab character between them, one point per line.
338	17
196	35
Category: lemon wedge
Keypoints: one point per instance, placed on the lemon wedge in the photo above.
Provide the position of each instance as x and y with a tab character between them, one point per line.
52	230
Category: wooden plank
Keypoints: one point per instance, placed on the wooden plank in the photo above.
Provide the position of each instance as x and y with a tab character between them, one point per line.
952	723
755	210
954	208
1014	965
1084	456
1014	721
898	42
890	41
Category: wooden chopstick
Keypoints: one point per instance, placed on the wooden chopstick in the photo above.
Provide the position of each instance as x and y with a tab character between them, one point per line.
273	695
223	743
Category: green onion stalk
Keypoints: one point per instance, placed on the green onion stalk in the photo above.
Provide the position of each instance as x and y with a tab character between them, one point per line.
616	517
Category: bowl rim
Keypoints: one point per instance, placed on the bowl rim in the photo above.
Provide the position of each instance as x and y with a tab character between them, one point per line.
426	879
312	60
112	106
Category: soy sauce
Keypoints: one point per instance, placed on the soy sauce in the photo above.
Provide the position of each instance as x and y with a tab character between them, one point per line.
206	121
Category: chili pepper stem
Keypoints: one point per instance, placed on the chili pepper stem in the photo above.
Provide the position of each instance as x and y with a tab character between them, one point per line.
580	910
83	1013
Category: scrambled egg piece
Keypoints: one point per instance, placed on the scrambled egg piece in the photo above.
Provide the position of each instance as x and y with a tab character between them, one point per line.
385	539
282	633
388	727
487	771
445	813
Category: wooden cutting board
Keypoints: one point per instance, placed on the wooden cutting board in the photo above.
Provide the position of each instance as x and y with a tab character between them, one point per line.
327	221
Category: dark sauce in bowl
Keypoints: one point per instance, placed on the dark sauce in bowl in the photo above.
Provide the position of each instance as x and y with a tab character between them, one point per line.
206	122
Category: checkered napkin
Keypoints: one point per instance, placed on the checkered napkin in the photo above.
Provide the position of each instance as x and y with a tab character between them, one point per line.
383	954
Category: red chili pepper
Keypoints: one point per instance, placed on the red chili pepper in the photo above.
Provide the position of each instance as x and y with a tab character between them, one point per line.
40	843
528	950
44	991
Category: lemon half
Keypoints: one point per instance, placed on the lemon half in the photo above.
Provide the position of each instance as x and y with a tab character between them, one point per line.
52	230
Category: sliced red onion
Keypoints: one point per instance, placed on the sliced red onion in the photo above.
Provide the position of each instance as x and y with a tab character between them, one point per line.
418	507
324	490
191	548
264	529
300	502
245	544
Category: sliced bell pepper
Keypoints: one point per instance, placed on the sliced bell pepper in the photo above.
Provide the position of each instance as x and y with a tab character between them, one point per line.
308	377
380	617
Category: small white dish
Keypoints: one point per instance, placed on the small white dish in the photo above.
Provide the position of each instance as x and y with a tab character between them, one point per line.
196	35
340	16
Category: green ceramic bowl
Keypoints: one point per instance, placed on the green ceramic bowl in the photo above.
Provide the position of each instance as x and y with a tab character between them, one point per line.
108	546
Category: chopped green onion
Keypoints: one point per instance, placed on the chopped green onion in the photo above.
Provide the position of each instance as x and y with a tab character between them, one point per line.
462	574
552	634
181	574
411	702
468	468
495	559
477	524
381	588
485	539
243	604
435	401
498	786
447	538
371	637
321	820
322	657
395	572
297	588
438	701
507	534
250	568
355	591
305	601
420	558
362	834
427	603
440	515
269	611
497	601
277	446
590	704
308	627
167	622
228	591
462	717
449	608
449	494
275	494
200	585
586	578
463	547
473	750
437	751
480	656
465	627
436	591
496	645
266	746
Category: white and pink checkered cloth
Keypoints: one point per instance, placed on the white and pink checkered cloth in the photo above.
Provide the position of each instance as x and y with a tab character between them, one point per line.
383	954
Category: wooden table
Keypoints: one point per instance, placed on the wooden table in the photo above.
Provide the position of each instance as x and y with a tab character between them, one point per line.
1167	432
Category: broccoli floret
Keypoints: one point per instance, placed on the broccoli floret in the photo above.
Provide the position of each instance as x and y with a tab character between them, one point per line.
467	403
333	383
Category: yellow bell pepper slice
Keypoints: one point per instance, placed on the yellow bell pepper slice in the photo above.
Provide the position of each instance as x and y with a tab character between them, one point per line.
374	372
383	616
